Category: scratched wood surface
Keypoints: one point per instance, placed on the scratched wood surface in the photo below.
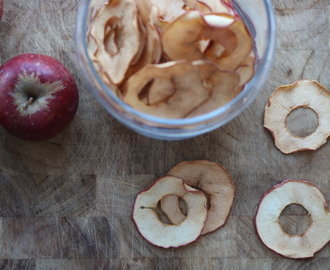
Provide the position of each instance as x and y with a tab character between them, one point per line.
66	203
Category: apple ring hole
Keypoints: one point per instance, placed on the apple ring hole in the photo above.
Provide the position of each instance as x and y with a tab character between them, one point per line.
183	206
302	121
162	215
295	219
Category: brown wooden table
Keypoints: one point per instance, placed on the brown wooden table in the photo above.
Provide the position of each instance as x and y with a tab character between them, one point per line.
66	203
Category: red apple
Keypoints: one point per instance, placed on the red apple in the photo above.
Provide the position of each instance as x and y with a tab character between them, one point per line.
1	8
38	97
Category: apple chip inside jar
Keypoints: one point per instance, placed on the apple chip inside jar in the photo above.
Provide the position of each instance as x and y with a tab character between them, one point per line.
116	34
221	6
210	178
168	10
151	51
224	31
224	87
165	235
246	70
270	208
129	38
181	87
197	5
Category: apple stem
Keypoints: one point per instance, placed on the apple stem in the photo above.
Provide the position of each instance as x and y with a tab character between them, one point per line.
31	99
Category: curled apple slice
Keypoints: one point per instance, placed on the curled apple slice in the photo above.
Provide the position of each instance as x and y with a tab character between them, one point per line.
180	38
246	70
182	86
285	99
231	33
211	178
231	42
197	5
219	6
168	10
116	33
223	85
152	50
165	235
271	206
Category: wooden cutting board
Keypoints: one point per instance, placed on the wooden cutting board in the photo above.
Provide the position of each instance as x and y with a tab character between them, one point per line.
66	203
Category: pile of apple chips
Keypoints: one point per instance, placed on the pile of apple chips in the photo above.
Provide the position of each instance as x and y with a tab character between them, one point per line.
207	190
171	58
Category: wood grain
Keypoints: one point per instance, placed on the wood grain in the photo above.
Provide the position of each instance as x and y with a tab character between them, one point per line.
66	203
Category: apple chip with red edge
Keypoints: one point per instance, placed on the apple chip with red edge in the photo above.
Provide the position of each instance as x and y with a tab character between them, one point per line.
152	50
39	97
270	208
285	99
231	33
220	6
180	38
116	34
211	178
231	42
223	86
162	234
245	71
197	5
168	10
180	88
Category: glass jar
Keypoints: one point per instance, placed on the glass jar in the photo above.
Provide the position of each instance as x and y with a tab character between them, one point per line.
259	18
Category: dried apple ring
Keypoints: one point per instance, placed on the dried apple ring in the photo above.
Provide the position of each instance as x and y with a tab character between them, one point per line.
183	87
168	9
270	208
227	33
211	178
116	32
223	87
246	70
234	37
196	5
152	49
218	6
285	99
166	235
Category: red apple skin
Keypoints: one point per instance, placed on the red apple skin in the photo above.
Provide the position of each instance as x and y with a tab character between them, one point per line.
62	102
136	225
264	195
1	8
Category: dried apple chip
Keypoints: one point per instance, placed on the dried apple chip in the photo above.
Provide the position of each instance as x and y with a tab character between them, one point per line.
219	6
232	34
270	208
223	85
231	42
246	70
197	5
116	32
285	99
168	10
187	80
181	36
142	43
165	235
152	49
211	178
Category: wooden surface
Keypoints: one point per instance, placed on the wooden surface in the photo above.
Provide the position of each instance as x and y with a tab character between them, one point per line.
66	203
